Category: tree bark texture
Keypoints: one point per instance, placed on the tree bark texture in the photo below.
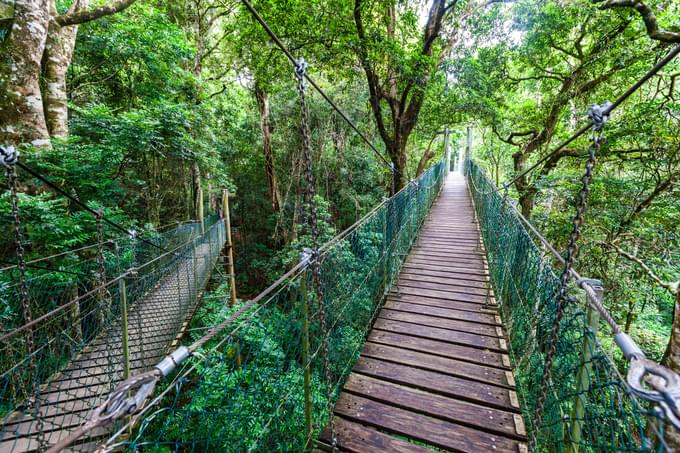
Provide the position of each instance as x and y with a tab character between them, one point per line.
22	118
269	165
61	41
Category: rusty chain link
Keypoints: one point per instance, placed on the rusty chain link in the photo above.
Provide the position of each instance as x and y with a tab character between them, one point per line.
311	219
8	158
599	119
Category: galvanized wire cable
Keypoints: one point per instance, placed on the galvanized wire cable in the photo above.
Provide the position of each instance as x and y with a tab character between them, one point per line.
605	113
256	15
84	206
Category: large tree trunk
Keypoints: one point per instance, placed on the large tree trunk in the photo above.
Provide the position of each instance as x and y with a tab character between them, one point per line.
22	118
58	55
269	166
397	152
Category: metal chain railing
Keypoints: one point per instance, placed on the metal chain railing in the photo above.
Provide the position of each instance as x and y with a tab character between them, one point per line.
312	221
588	404
598	119
9	158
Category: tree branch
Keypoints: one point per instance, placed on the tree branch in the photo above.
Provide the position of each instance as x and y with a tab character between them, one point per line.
648	18
82	16
673	288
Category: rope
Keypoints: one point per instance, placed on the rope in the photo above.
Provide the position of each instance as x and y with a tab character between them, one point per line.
598	116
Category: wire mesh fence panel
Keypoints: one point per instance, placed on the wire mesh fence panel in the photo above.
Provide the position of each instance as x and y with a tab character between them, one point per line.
90	332
589	406
268	382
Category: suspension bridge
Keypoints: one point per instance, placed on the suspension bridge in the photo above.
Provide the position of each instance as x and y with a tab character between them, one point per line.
442	320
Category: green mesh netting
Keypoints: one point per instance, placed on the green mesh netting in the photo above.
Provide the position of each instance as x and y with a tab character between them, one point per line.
248	392
526	287
77	328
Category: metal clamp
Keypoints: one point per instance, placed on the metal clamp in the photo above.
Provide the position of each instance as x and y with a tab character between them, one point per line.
9	156
306	255
654	382
170	362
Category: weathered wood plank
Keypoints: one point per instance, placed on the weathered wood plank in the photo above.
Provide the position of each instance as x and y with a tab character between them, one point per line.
483	318
434	333
358	438
444	365
453	351
479	417
444	295
442	323
433	431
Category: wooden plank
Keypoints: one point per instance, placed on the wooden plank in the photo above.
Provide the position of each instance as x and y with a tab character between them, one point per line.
474	415
408	274
454	351
483	318
442	323
430	302
449	287
470	262
358	438
445	268
439	364
450	336
433	431
451	272
444	295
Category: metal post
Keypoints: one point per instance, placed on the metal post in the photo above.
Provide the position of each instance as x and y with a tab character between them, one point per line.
199	209
122	290
230	248
468	148
385	250
447	150
195	267
583	378
305	358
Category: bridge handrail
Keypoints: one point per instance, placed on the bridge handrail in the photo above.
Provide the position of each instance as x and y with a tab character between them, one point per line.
420	194
109	283
593	355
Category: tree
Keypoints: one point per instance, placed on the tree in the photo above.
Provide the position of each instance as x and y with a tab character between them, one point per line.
399	66
37	25
567	59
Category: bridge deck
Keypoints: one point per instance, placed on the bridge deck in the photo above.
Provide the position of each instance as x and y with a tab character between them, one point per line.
435	370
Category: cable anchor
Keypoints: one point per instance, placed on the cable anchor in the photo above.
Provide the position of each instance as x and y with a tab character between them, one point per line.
654	382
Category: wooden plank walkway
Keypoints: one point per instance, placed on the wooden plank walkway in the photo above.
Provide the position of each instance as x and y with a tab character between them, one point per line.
67	399
434	373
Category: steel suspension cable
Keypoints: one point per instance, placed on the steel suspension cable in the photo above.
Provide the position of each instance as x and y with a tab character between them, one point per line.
293	61
606	112
84	206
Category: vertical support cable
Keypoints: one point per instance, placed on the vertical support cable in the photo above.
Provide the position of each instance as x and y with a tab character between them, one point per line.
8	158
311	218
122	294
306	362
